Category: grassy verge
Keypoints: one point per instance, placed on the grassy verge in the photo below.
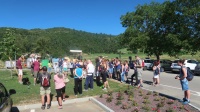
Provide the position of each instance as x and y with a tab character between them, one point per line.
31	95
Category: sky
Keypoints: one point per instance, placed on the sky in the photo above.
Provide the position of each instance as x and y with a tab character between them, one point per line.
95	16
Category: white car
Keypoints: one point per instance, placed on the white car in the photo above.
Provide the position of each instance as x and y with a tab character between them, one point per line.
147	63
191	64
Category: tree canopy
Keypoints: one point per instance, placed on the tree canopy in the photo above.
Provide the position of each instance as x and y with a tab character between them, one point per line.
163	28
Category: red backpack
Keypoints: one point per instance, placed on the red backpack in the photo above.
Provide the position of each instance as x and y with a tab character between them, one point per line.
45	82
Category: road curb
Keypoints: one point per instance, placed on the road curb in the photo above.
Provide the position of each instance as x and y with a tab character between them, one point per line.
174	98
53	103
76	100
101	105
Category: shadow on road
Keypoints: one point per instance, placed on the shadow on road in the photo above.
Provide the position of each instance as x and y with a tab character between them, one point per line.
148	82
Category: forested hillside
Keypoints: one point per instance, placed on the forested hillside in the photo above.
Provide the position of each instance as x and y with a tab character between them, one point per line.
58	41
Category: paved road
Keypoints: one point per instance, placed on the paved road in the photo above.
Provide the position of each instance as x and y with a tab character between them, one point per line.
172	87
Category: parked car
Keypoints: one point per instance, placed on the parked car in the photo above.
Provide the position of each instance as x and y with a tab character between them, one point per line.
165	65
5	99
197	69
147	63
191	64
175	67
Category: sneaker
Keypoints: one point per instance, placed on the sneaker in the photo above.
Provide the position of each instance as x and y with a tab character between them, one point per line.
42	107
141	85
104	89
185	102
60	107
85	90
48	106
76	95
63	100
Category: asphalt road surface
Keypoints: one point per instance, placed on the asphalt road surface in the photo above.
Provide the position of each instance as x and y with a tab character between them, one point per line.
170	86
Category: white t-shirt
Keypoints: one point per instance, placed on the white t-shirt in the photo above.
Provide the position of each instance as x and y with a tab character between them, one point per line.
90	69
64	64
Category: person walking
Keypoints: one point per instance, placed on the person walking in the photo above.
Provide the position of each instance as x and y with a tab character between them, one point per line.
60	87
36	69
110	65
184	82
49	66
156	73
45	88
103	68
60	64
138	75
122	73
19	70
126	70
90	69
78	75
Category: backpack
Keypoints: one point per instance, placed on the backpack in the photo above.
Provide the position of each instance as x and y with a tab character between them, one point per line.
190	75
45	82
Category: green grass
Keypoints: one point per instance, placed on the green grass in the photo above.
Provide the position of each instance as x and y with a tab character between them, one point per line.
141	55
32	95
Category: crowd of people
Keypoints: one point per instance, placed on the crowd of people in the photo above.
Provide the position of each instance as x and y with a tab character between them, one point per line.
103	70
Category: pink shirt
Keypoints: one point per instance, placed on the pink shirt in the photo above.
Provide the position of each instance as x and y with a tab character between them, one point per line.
59	82
36	66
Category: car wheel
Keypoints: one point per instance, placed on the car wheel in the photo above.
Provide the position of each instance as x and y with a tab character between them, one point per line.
162	69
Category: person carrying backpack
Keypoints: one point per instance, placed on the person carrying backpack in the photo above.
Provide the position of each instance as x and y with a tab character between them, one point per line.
45	89
184	82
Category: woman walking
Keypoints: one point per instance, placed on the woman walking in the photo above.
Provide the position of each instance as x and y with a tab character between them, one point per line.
103	68
156	73
60	87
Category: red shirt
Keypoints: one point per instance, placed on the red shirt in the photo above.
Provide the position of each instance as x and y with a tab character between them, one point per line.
36	66
19	64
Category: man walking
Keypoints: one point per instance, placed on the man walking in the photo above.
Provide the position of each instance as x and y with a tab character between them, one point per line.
138	75
89	78
36	68
45	89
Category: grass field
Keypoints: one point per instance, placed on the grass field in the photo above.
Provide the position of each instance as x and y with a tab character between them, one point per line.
30	95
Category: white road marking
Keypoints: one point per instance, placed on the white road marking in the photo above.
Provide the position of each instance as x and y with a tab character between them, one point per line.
196	92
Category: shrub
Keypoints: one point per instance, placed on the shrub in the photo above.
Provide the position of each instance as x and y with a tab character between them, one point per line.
109	99
146	101
157	99
170	102
120	96
145	107
170	110
118	102
134	103
149	93
101	96
130	98
110	93
125	106
160	105
135	110
156	94
146	97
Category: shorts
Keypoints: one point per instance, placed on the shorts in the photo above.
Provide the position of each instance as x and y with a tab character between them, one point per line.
20	72
35	73
139	75
60	91
110	70
45	90
184	84
156	76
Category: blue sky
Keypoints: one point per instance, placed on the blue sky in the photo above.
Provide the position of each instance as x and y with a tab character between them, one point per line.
95	16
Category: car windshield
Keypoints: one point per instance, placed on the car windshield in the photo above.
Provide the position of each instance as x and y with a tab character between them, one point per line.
148	61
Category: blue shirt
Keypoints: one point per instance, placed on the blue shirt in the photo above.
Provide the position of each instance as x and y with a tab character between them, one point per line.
78	72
